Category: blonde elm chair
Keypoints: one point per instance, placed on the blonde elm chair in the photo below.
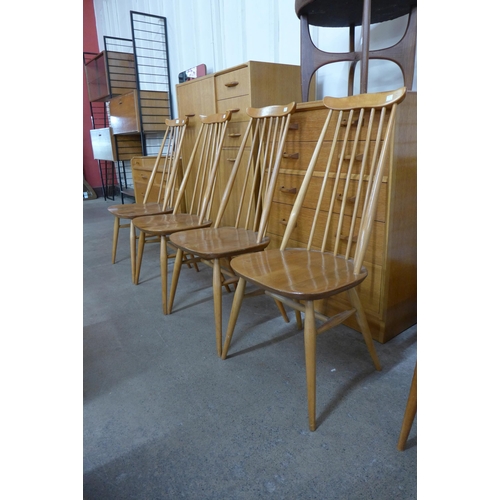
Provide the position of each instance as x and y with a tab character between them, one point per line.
166	164
204	163
342	181
251	184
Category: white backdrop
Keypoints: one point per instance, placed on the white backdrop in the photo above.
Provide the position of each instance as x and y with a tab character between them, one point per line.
225	33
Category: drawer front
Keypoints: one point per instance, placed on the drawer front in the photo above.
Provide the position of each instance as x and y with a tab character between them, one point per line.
237	105
298	155
129	146
232	84
124	114
235	133
288	186
103	144
307	126
280	215
240	191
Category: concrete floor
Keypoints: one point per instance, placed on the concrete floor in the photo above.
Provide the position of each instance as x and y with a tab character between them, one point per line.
164	417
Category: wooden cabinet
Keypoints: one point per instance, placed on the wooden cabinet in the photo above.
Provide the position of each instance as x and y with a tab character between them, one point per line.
254	84
389	293
108	74
128	114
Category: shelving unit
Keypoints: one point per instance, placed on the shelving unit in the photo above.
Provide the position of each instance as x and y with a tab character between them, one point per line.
129	87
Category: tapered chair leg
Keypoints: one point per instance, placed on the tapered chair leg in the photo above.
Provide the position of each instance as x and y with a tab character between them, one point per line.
310	355
363	323
175	279
133	252
164	272
410	412
282	310
235	311
140	251
217	294
116	229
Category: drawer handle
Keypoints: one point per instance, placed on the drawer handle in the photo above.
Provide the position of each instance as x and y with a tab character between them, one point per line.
144	176
231	84
353	123
345	238
190	116
231	160
293	156
234	135
293	126
357	157
293	190
284	222
351	199
235	110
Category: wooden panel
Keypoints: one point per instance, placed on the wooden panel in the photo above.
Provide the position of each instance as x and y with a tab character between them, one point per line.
124	114
110	74
400	283
235	133
228	158
237	105
103	144
289	184
121	68
232	83
280	215
155	109
97	78
128	146
274	84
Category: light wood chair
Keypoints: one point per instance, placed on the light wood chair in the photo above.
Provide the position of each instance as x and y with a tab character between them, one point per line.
410	412
166	164
204	163
251	185
342	182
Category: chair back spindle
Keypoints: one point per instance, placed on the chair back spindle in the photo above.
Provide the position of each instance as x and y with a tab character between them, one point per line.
347	170
204	162
169	152
254	174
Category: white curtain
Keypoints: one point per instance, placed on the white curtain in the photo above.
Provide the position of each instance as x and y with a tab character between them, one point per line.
225	33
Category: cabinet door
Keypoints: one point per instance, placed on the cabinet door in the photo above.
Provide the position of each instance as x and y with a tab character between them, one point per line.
124	114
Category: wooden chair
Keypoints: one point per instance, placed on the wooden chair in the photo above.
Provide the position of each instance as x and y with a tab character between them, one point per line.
410	412
167	163
342	182
251	183
204	162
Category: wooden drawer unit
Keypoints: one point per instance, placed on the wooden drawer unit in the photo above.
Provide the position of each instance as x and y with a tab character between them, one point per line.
142	166
231	84
103	144
128	146
109	74
255	84
126	114
289	182
389	292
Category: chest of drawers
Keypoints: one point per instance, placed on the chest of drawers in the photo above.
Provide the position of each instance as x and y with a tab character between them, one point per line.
142	167
254	84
